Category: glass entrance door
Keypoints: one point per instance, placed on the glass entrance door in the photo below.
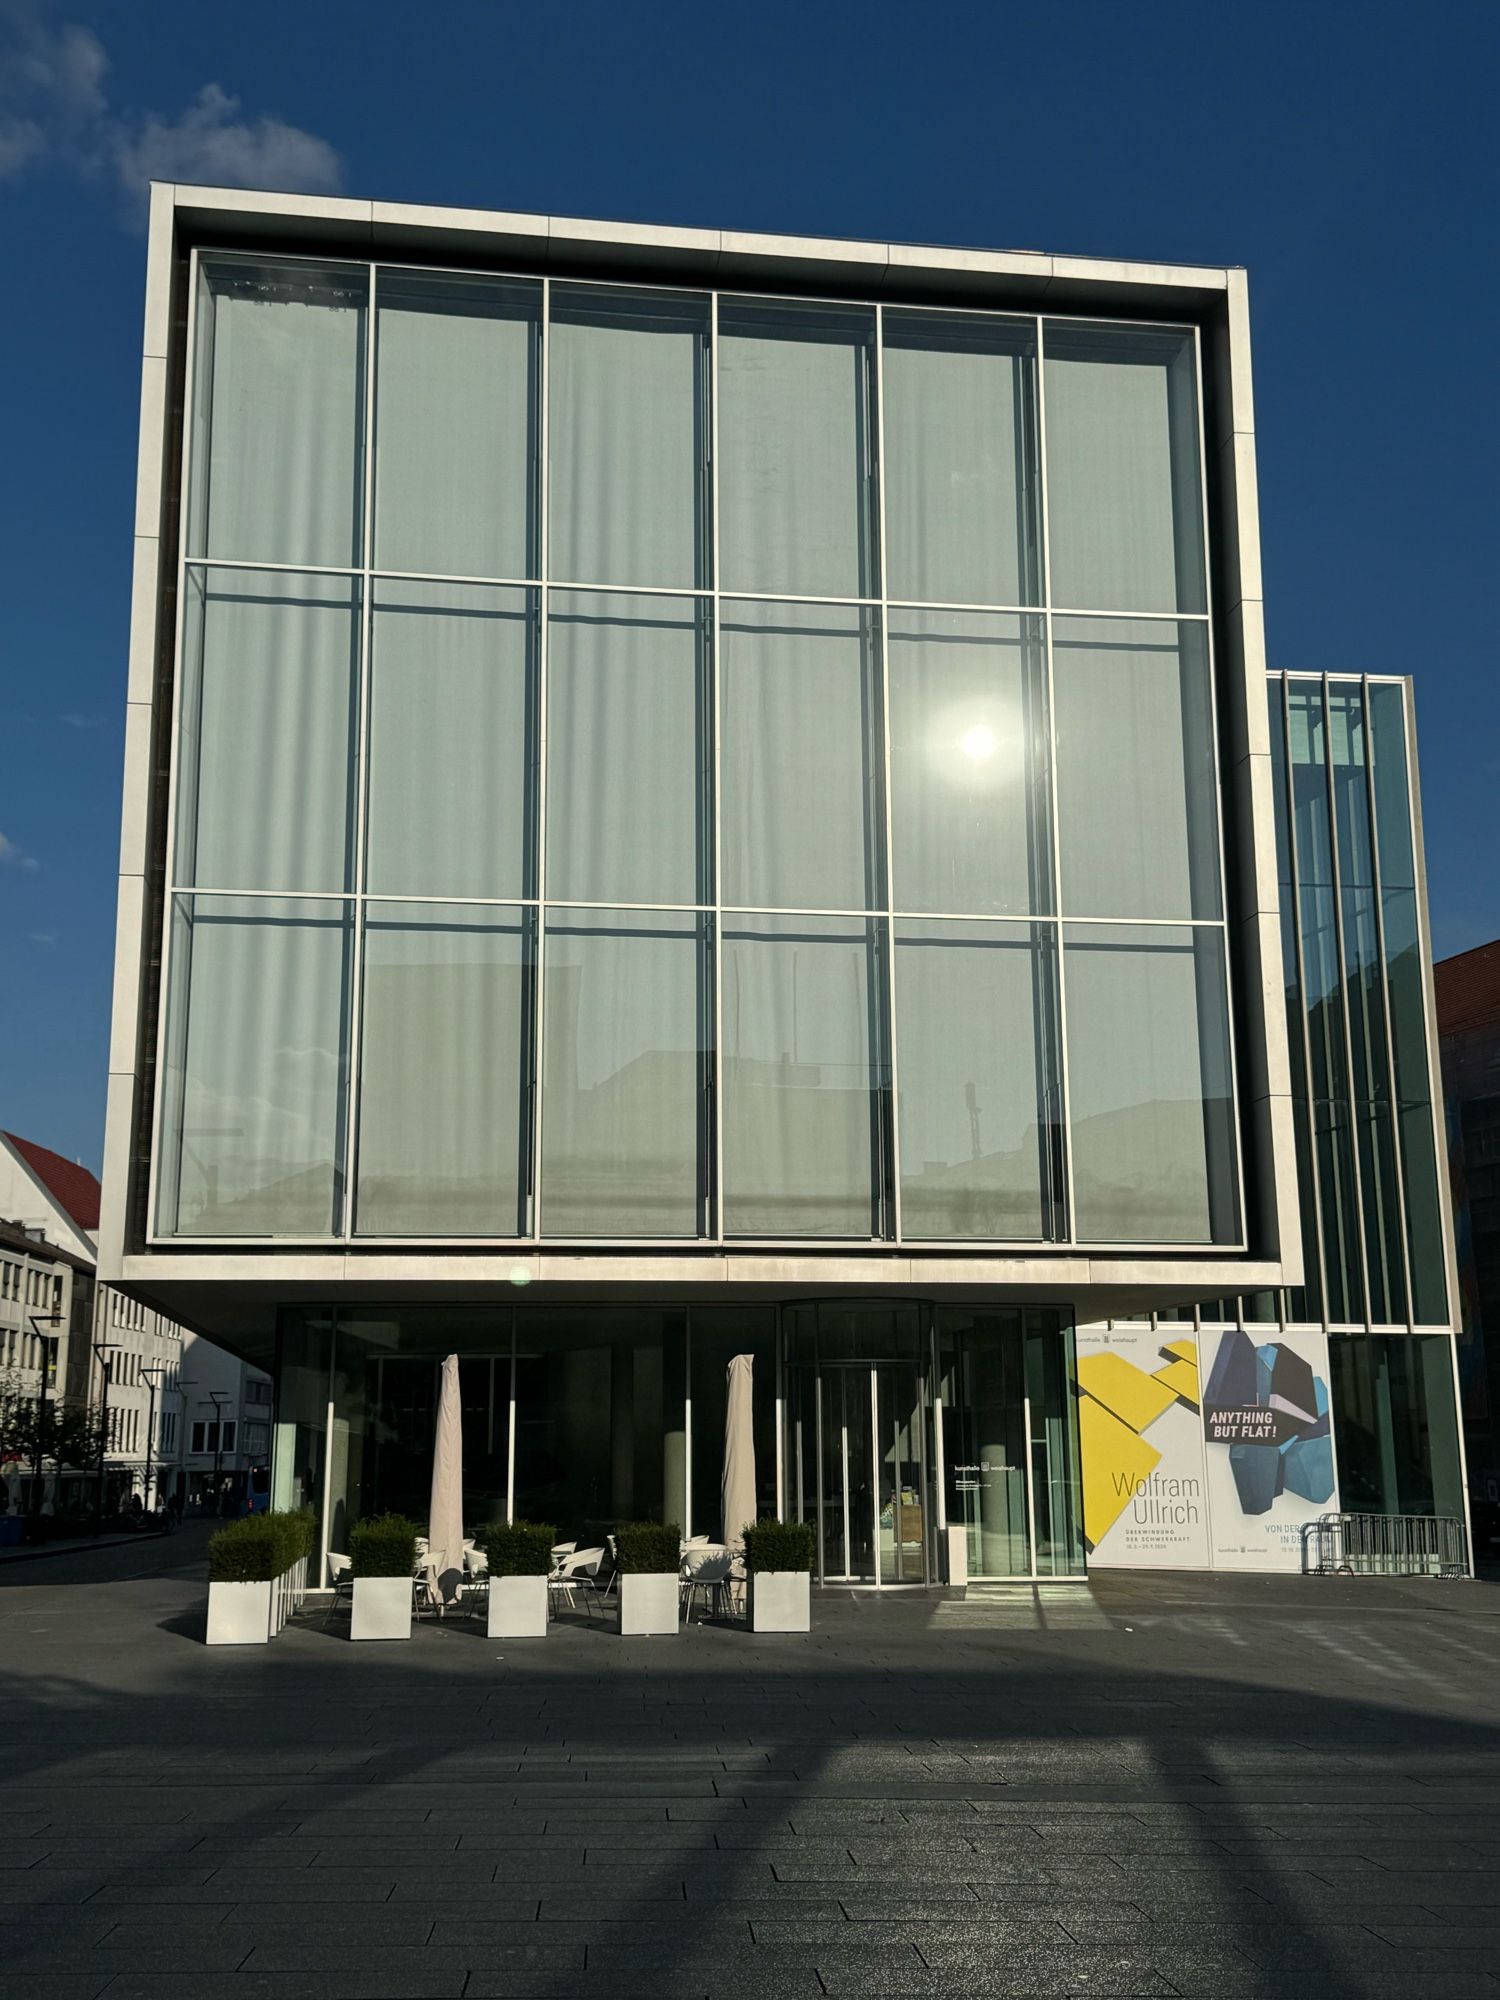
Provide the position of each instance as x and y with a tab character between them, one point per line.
870	1479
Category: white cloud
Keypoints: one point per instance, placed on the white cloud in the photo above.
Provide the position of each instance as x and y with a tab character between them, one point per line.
54	109
11	856
45	938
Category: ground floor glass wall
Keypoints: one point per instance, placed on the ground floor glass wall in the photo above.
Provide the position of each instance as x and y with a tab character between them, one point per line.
884	1424
1395	1424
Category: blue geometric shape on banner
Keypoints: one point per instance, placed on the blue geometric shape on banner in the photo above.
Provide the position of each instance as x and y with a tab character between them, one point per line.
1265	1368
1232	1379
1292	1379
1257	1476
1307	1468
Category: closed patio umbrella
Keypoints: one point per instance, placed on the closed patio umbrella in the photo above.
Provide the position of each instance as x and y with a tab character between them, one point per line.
739	1450
445	1515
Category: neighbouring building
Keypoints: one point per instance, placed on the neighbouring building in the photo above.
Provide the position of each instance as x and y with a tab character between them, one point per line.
157	1384
692	794
1468	1019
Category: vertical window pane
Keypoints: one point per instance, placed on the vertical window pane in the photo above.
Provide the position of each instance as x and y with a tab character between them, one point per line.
800	697
626	729
1124	503
803	1070
451	774
267	743
256	1056
444	1070
1407	999
1137	811
795	472
457	365
961	459
628	437
277	413
621	1102
1149	1084
970	824
1395	1424
976	1053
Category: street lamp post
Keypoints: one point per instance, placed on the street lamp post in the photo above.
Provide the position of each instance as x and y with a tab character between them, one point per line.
218	1399
38	1321
152	1376
101	1349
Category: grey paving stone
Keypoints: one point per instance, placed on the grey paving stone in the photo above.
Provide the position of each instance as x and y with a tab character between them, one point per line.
292	1986
53	1985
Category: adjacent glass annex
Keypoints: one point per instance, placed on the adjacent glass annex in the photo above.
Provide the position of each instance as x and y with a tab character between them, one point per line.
674	766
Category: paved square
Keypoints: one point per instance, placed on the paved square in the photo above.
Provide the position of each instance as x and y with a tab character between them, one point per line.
1199	1786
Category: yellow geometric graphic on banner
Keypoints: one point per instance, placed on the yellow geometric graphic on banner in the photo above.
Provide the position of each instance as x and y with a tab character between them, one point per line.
1135	1397
1115	1460
1181	1377
1117	1402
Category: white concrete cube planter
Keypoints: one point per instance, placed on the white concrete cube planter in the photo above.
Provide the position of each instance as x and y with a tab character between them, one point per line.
648	1604
518	1607
781	1600
382	1608
239	1614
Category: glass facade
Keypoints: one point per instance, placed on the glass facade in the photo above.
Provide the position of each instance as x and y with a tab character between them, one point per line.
889	1426
656	765
1356	1006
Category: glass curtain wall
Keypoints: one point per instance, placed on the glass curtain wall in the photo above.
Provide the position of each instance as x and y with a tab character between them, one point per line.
1356	1006
888	1425
658	765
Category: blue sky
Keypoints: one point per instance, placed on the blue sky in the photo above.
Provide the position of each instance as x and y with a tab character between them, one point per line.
1343	152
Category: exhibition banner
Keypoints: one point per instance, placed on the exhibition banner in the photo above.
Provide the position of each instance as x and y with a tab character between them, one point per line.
1268	1443
1145	1502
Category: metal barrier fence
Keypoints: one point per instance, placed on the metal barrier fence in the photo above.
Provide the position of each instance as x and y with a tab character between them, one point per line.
1384	1545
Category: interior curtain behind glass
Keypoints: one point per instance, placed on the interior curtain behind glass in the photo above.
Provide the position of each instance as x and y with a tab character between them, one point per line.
256	1067
1124	500
622	1040
451	707
795	461
444	1070
970	821
960	452
1136	793
976	1090
1149	1084
267	734
626	748
278	414
803	1073
457	368
800	692
628	437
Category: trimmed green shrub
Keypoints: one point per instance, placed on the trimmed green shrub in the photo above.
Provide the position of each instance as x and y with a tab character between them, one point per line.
383	1546
259	1547
648	1548
778	1545
518	1548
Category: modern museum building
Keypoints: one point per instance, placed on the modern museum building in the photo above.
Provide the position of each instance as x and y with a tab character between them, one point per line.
692	795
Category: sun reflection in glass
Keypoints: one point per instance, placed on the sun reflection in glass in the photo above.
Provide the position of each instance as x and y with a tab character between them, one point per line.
979	744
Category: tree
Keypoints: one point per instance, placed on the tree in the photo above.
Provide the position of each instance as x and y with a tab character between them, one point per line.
35	1433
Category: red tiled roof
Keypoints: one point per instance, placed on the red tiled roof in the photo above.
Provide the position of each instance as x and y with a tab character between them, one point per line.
1468	989
71	1186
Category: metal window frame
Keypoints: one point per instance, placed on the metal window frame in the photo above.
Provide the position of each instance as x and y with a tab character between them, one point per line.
885	917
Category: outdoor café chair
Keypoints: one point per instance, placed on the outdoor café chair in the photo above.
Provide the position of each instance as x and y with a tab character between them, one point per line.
706	1575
